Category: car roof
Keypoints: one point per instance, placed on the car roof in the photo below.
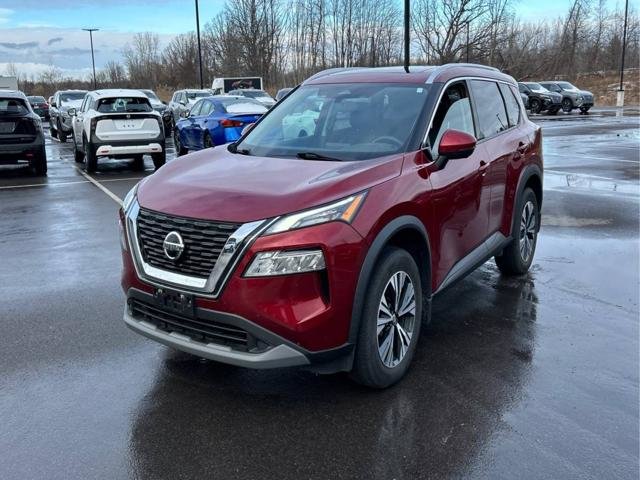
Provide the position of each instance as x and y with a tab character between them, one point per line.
71	91
117	92
418	74
12	94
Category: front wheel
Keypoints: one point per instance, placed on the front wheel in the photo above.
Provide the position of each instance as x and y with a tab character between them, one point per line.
567	105
391	320
517	257
61	135
159	159
535	105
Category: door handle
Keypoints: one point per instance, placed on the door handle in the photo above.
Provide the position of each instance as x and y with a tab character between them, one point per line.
483	168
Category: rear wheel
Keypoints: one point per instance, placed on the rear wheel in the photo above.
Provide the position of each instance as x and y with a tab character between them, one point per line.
391	320
535	106
207	142
138	163
567	105
91	161
517	257
39	162
159	159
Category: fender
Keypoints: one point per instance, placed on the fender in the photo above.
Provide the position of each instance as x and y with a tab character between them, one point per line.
381	240
527	172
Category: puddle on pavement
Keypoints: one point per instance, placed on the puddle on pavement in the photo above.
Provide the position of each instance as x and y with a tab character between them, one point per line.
584	182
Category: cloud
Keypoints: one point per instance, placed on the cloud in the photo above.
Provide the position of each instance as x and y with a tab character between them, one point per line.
72	51
54	40
5	13
19	46
33	70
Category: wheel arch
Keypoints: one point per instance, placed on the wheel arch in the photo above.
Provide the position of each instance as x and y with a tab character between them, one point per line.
530	177
406	232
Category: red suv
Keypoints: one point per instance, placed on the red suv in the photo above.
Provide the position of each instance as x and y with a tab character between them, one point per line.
320	237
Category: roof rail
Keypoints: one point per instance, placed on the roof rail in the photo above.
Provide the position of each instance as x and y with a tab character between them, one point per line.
331	71
447	66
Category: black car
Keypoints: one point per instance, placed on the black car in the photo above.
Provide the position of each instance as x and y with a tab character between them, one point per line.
540	98
21	135
59	119
39	105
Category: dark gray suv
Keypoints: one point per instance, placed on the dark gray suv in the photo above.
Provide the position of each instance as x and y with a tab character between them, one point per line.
572	96
21	135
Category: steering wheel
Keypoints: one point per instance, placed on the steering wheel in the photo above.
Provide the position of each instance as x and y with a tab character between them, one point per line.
388	139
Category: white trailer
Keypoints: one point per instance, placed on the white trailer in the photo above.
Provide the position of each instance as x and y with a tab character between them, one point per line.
221	86
8	83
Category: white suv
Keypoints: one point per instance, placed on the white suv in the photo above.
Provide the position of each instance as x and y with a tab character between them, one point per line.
117	123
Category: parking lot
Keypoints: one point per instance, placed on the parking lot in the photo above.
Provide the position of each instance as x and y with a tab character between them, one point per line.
534	377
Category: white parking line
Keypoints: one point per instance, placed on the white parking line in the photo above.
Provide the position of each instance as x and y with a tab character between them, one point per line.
106	191
589	157
75	182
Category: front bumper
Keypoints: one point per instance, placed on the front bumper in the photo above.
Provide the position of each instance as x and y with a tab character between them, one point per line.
267	350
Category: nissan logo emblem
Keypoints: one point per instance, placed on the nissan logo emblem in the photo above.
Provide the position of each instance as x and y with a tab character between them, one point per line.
173	245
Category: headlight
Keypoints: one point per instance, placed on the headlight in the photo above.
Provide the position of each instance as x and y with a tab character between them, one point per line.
344	210
129	198
285	262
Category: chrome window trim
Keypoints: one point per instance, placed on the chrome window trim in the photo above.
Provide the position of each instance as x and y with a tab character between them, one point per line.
425	139
211	287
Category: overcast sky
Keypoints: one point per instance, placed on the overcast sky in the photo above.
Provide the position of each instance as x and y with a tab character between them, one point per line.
35	34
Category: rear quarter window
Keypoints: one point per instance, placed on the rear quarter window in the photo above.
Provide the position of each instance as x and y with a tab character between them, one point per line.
510	101
13	106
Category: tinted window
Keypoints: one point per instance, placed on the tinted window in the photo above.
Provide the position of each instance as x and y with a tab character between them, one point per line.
206	108
453	113
13	106
349	125
513	107
71	97
196	109
124	104
35	99
492	117
522	88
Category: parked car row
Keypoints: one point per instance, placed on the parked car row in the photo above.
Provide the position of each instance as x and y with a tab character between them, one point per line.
552	96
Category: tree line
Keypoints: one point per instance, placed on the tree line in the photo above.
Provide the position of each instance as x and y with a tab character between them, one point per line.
286	41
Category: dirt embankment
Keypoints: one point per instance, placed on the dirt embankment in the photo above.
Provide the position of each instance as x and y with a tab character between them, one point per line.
604	86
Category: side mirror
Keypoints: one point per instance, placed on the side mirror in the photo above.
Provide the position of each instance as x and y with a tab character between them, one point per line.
184	113
53	104
456	144
71	112
246	129
183	103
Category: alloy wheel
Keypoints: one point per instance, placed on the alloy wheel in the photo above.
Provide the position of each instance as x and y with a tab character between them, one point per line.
396	319
527	230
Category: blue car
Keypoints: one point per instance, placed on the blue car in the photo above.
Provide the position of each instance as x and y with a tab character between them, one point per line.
215	120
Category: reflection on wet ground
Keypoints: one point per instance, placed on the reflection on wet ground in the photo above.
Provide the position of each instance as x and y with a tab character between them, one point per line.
534	377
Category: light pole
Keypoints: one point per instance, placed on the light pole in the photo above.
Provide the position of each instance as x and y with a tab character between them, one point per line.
93	61
468	40
407	41
199	47
620	100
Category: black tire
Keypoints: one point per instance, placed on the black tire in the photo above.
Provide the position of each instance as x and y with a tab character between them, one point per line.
180	150
368	367
513	260
159	159
567	105
39	163
584	110
535	105
78	156
52	129
91	160
206	141
60	133
138	163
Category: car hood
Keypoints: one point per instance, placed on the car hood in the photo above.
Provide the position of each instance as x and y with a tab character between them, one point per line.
215	184
586	92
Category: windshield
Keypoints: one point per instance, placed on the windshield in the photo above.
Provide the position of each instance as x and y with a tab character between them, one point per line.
71	97
566	86
241	105
255	93
36	99
124	104
536	87
13	106
341	121
194	95
150	94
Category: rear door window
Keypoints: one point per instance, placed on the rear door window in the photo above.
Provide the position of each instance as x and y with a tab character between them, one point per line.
491	113
195	111
513	107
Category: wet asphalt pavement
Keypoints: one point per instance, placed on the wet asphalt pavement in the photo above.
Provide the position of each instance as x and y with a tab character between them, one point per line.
535	377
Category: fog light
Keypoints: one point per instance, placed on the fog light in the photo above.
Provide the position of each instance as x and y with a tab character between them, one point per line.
285	262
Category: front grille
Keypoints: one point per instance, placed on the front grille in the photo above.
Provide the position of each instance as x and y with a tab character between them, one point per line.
203	242
200	330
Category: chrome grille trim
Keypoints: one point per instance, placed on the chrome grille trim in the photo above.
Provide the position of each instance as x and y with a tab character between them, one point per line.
233	250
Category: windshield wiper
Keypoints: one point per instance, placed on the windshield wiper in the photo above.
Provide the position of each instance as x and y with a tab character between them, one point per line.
316	156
